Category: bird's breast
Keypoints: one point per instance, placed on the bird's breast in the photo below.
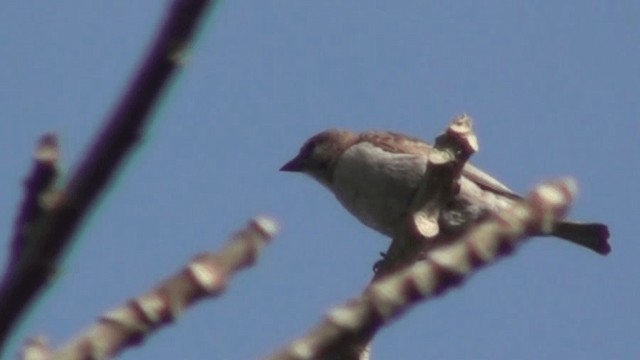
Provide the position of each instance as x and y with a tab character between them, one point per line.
376	186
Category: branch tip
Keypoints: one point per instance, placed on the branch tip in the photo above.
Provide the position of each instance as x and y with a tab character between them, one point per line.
48	149
265	225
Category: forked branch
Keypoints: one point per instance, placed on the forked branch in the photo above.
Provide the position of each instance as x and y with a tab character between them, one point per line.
36	260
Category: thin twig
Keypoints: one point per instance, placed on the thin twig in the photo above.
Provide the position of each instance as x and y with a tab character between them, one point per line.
38	190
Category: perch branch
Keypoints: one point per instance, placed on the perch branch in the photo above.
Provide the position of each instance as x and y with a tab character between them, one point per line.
441	270
439	184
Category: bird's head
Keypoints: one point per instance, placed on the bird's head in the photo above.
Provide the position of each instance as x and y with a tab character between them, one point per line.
319	155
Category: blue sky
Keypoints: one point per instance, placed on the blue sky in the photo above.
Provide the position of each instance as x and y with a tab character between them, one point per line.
552	86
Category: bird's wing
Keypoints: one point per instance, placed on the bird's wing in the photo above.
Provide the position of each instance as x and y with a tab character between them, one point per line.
396	143
487	182
402	144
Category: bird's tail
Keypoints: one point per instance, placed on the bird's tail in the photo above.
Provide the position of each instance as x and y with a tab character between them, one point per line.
590	235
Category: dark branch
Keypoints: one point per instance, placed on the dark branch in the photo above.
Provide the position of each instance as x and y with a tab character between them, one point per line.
120	132
38	190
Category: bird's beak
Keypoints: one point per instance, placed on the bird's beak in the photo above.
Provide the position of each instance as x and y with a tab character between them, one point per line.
294	165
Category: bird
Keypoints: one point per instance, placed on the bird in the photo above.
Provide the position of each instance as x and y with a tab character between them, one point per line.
375	174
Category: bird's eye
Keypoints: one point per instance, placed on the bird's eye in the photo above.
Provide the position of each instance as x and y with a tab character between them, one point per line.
320	150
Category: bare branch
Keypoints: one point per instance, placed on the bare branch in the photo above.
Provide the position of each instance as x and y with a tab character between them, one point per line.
121	131
442	269
438	186
205	276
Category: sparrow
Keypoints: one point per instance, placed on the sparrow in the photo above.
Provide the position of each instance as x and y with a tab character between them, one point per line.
375	174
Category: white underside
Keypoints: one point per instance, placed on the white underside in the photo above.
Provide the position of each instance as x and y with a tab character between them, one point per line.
376	186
